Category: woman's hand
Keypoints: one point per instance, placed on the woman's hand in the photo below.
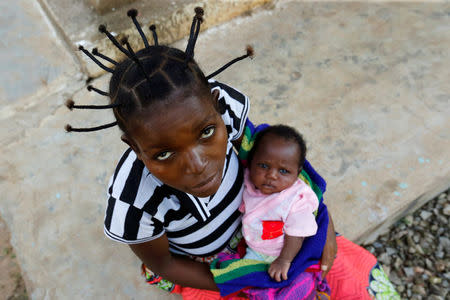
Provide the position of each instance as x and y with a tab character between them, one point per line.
329	250
279	268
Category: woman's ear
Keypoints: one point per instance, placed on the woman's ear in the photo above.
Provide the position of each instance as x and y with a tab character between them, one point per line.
129	141
215	94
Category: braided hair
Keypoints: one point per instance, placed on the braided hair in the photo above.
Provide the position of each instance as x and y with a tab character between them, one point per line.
148	75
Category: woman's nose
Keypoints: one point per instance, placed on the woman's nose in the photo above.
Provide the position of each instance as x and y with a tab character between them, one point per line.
195	162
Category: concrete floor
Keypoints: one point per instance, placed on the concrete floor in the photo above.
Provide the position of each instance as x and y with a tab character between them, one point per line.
367	85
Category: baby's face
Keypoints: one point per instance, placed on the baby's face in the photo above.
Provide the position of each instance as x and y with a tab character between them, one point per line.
274	166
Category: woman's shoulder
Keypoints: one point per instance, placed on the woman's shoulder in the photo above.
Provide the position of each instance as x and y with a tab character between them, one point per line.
233	106
227	92
132	182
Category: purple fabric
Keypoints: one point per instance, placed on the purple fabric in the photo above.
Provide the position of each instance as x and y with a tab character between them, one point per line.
303	287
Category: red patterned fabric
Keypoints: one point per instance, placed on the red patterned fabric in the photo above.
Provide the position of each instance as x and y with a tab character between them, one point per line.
272	229
349	276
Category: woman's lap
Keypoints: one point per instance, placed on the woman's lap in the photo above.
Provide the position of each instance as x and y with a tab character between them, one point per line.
355	274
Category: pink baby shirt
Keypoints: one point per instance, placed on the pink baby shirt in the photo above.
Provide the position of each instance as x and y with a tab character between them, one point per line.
294	206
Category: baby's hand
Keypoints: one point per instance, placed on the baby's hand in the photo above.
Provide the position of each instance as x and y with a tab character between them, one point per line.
279	268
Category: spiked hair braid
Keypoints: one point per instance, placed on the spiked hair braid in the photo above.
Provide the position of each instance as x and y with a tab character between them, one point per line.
148	75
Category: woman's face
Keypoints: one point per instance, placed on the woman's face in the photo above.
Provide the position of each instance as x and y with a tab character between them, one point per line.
274	166
182	142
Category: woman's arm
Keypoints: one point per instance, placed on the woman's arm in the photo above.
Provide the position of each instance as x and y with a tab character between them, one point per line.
156	256
330	248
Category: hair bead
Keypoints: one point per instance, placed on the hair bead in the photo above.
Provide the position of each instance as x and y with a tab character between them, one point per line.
155	36
91	88
81	48
69	128
250	53
132	13
102	29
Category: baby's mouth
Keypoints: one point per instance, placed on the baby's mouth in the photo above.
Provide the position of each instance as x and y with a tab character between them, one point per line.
268	186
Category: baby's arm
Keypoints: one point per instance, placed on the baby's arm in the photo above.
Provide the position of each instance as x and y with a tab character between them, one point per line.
279	268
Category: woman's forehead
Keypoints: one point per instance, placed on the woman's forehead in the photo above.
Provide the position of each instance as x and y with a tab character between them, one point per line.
170	122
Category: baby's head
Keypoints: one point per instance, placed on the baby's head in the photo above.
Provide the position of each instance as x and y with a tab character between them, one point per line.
276	158
163	103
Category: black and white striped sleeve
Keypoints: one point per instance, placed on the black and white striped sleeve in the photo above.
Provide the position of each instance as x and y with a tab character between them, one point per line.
125	219
234	107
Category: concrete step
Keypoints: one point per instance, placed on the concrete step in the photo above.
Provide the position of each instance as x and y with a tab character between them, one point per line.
366	84
79	21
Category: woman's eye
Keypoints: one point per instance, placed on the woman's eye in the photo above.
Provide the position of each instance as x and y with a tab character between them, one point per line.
164	155
208	132
283	171
263	165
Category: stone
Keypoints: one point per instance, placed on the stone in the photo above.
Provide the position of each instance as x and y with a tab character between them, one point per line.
390	251
445	242
440	265
419	289
446	210
425	215
385	259
429	263
435	280
439	254
408	220
393	277
409	272
398	262
435	289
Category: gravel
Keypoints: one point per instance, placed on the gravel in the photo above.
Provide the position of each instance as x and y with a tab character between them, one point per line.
415	252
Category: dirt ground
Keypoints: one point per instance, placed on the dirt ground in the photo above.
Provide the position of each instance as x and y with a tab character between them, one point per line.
12	285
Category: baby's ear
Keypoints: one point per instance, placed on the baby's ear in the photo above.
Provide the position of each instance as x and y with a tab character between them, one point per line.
127	140
299	170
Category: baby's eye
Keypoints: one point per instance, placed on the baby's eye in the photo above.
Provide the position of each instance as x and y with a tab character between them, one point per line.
283	171
164	155
208	132
263	165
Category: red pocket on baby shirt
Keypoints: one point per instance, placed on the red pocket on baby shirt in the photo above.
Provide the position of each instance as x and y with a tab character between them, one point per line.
272	229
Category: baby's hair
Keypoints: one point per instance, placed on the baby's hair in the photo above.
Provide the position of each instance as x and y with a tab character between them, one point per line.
148	75
286	132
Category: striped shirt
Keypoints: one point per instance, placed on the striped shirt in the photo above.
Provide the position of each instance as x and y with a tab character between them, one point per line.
141	208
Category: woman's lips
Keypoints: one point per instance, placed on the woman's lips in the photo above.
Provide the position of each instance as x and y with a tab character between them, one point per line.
205	185
204	182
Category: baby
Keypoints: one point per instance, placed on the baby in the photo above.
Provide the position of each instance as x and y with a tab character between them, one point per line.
278	207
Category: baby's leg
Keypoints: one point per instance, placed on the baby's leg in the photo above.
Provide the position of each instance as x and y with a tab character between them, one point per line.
252	254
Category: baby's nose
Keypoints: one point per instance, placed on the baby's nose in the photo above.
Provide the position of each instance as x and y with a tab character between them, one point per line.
272	173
